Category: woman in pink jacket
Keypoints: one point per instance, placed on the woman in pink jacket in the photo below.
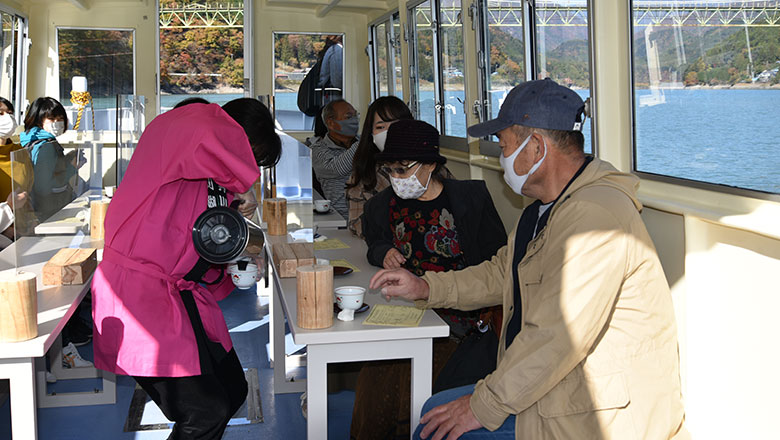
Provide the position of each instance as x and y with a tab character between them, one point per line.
155	318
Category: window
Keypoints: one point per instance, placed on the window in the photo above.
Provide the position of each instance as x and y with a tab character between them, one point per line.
437	70
386	57
562	49
201	51
294	56
511	53
13	59
105	58
423	65
706	93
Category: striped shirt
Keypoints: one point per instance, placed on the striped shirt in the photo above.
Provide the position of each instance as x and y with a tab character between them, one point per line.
333	166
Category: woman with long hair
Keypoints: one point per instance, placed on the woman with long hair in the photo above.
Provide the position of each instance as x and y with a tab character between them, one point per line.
366	178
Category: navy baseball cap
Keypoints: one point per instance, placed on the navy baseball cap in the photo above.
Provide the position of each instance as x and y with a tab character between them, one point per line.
540	104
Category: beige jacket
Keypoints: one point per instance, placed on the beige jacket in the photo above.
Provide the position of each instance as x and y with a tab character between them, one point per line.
596	357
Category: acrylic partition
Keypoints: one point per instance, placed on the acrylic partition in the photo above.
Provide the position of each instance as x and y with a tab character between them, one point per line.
130	123
52	187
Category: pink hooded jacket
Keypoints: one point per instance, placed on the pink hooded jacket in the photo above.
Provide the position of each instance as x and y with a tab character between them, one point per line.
141	325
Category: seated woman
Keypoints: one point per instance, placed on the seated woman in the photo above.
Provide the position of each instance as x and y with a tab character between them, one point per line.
366	180
52	168
424	222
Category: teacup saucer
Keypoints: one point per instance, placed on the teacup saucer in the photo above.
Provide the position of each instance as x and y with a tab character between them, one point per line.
322	212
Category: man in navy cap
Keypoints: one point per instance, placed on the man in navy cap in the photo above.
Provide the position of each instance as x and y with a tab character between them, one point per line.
588	345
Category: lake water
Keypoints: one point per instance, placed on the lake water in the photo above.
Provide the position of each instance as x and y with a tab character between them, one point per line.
728	137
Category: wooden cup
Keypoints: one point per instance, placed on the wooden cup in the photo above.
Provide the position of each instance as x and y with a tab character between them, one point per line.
18	306
97	215
276	216
315	296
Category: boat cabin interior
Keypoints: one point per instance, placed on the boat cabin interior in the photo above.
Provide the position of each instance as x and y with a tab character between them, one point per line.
682	94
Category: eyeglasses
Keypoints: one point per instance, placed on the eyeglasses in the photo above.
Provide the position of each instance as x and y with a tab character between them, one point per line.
397	170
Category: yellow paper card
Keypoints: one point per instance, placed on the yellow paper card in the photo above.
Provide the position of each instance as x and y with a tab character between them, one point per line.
344	263
329	245
394	316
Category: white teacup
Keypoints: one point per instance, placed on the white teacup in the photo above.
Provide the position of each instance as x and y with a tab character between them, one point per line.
322	205
350	297
243	279
323	261
110	191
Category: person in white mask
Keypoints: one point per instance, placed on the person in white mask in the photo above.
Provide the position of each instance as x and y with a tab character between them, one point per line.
21	176
588	346
332	155
44	120
366	179
423	222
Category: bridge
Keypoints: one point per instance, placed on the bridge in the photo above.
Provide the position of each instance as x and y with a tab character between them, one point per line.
202	15
700	13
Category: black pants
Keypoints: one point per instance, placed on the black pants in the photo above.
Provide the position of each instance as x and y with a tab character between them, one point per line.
201	405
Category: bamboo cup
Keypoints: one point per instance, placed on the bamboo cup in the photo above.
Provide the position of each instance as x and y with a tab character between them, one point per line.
315	296
277	216
18	306
97	217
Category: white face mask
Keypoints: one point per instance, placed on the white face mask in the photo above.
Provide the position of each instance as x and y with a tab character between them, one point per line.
379	140
508	164
409	187
54	127
7	125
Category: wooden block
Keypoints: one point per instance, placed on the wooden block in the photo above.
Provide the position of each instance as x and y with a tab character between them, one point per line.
18	306
315	296
304	253
276	216
70	266
97	216
285	260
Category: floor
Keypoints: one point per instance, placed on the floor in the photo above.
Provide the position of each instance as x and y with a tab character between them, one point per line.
246	314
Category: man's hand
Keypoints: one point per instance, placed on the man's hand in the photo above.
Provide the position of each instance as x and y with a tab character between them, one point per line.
450	420
393	259
248	203
400	283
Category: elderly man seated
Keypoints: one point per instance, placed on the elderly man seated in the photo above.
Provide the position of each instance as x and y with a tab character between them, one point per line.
332	155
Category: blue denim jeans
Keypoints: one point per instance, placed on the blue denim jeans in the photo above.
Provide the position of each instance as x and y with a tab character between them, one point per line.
506	431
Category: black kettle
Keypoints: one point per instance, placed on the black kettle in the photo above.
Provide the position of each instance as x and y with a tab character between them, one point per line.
222	235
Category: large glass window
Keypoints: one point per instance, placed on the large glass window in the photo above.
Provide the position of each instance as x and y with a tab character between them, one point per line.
562	49
201	51
294	57
395	43
382	66
105	58
452	78
512	54
424	63
12	58
706	92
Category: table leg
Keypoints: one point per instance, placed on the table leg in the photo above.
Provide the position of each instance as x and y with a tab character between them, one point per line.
317	393
422	377
21	375
277	339
274	311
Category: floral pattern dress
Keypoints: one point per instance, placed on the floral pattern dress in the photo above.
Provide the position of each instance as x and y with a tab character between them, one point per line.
426	235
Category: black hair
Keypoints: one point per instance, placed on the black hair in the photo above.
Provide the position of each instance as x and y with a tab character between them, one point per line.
259	126
7	104
389	108
44	108
188	101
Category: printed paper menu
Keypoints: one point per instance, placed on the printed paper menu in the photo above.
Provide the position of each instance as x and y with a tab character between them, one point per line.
395	316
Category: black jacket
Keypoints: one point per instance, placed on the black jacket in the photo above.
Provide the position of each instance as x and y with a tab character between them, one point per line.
479	227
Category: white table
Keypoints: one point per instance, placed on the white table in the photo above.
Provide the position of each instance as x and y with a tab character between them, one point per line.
349	341
56	304
65	221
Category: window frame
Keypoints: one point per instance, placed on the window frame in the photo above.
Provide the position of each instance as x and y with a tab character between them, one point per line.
57	30
488	147
452	142
663	178
386	19
20	62
249	33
